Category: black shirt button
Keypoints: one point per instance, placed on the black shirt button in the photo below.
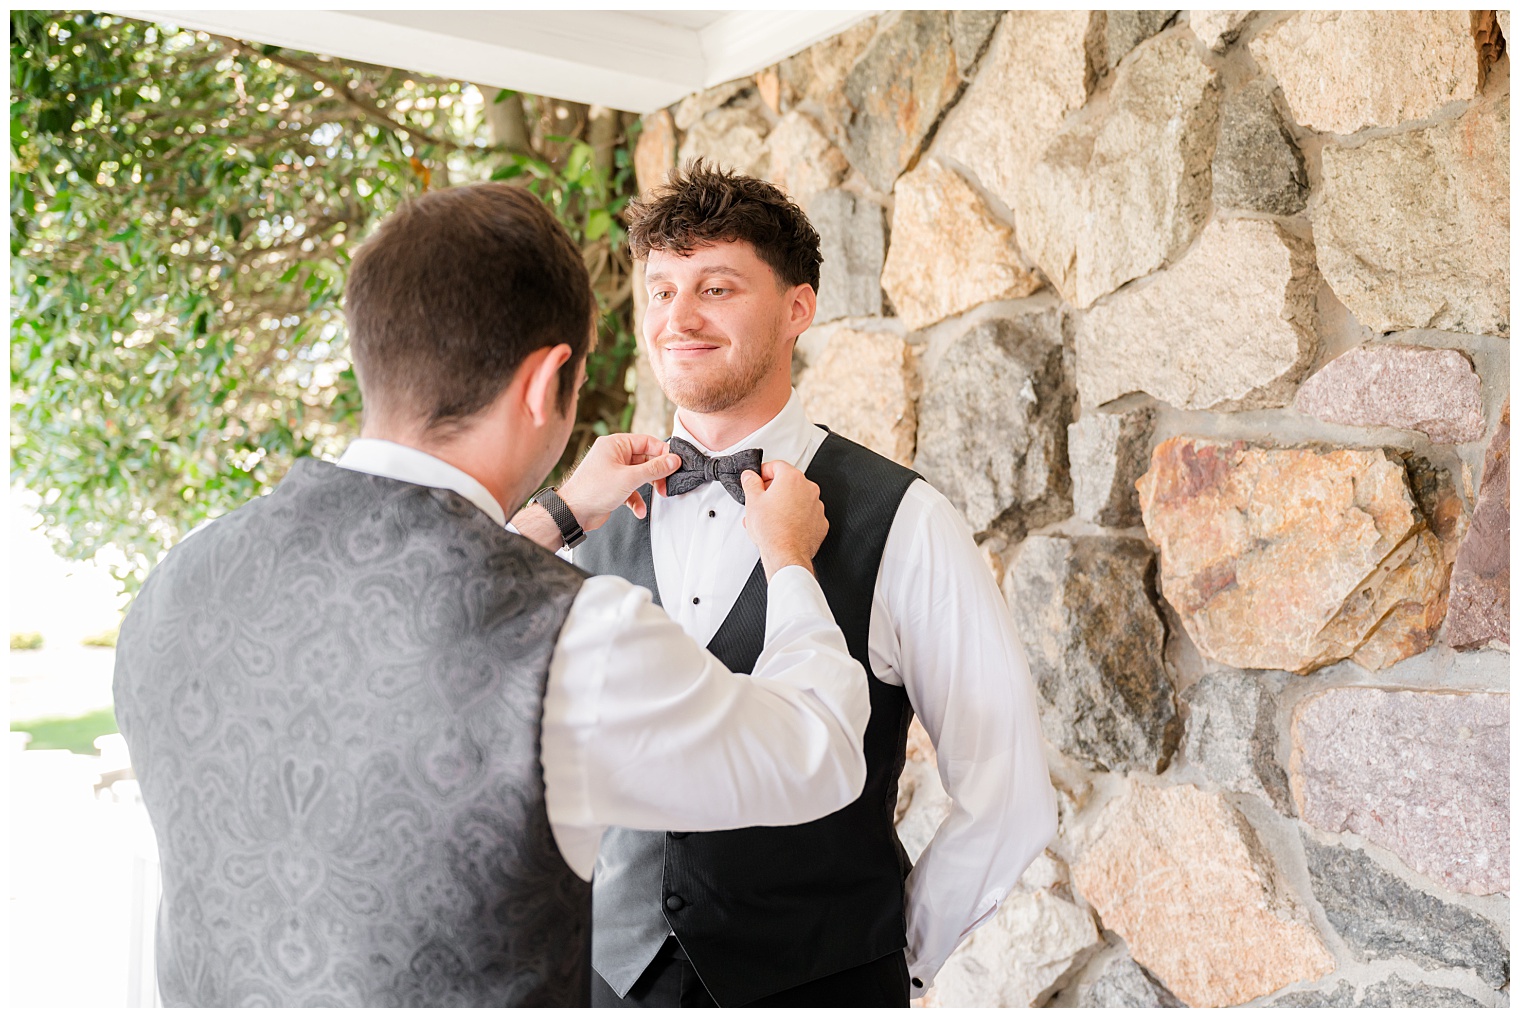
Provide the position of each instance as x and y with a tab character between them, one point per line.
696	600
918	984
677	834
711	513
674	903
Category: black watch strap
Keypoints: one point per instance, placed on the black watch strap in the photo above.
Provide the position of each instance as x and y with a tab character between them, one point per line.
569	527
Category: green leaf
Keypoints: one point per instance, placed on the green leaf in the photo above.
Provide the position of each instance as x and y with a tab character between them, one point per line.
193	376
598	222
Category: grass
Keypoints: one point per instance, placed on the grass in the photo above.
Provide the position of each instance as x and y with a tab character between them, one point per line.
77	735
26	641
105	638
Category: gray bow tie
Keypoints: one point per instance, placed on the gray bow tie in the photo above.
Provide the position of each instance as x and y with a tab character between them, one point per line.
697	469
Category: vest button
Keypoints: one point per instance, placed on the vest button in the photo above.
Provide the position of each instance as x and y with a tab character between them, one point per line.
675	903
677	834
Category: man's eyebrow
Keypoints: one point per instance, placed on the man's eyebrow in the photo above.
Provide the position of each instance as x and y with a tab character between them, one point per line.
706	270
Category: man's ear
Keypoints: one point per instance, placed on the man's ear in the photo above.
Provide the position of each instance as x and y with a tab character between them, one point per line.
541	394
804	306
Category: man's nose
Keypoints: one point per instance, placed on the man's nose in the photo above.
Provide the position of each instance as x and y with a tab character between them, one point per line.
683	314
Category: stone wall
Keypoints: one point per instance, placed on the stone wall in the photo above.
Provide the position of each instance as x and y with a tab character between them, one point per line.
1201	318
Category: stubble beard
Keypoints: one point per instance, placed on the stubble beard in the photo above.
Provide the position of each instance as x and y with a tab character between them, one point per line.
715	394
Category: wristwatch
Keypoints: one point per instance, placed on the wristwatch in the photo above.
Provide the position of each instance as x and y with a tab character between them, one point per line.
569	527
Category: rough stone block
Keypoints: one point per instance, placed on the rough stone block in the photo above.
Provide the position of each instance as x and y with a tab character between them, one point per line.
1051	208
1033	74
1392	992
733	137
802	161
1293	558
896	91
1345	70
970	31
1119	32
1343	994
655	152
1218	29
1095	645
1256	165
1232	326
864	386
1182	878
949	252
1232	736
1424	775
816	76
1395	992
699	104
1023	952
1108	453
1382	916
1480	580
853	240
1144	193
992	422
1386	385
1412	230
1122	983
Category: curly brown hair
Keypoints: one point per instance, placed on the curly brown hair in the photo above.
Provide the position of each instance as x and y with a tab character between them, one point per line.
703	204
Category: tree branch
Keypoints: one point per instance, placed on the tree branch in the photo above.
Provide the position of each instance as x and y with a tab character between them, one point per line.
358	103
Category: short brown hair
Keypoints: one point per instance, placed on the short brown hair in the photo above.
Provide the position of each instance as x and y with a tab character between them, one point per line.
453	291
703	204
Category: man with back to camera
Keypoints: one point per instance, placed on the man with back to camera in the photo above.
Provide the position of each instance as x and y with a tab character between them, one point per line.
379	736
817	914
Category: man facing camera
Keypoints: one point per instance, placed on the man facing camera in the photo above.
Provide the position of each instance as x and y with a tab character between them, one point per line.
379	736
826	912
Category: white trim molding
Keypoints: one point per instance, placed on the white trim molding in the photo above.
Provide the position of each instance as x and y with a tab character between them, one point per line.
627	60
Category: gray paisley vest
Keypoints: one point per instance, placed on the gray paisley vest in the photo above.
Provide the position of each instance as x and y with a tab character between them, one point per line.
332	698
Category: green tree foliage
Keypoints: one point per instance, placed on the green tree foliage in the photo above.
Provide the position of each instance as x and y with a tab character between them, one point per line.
183	209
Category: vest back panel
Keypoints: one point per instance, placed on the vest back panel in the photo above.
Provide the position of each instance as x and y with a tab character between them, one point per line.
333	698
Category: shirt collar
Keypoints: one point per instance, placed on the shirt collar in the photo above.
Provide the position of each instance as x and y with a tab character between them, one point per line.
404	463
784	437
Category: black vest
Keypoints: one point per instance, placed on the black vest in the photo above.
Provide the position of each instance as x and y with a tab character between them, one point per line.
333	700
761	909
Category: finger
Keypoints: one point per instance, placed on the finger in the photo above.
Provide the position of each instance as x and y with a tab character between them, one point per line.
660	467
635	501
768	469
644	447
660	487
753	485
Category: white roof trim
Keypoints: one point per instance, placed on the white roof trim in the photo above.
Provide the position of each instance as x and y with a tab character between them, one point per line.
621	59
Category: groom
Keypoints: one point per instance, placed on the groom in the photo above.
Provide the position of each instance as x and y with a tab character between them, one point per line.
825	913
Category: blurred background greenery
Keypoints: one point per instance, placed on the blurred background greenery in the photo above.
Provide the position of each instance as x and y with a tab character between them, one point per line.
183	210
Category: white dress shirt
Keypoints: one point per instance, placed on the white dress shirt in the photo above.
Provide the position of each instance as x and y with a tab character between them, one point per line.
643	728
939	628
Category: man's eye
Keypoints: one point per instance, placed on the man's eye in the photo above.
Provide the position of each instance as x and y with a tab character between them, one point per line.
716	290
660	295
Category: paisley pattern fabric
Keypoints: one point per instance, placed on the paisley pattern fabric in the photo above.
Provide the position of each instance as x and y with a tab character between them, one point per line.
332	699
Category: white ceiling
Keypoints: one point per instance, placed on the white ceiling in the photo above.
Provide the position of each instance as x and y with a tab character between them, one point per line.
628	60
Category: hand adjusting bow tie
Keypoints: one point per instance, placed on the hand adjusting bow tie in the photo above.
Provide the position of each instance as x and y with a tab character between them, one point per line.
697	469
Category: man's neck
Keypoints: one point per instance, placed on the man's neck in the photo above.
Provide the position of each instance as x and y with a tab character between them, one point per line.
461	455
724	428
